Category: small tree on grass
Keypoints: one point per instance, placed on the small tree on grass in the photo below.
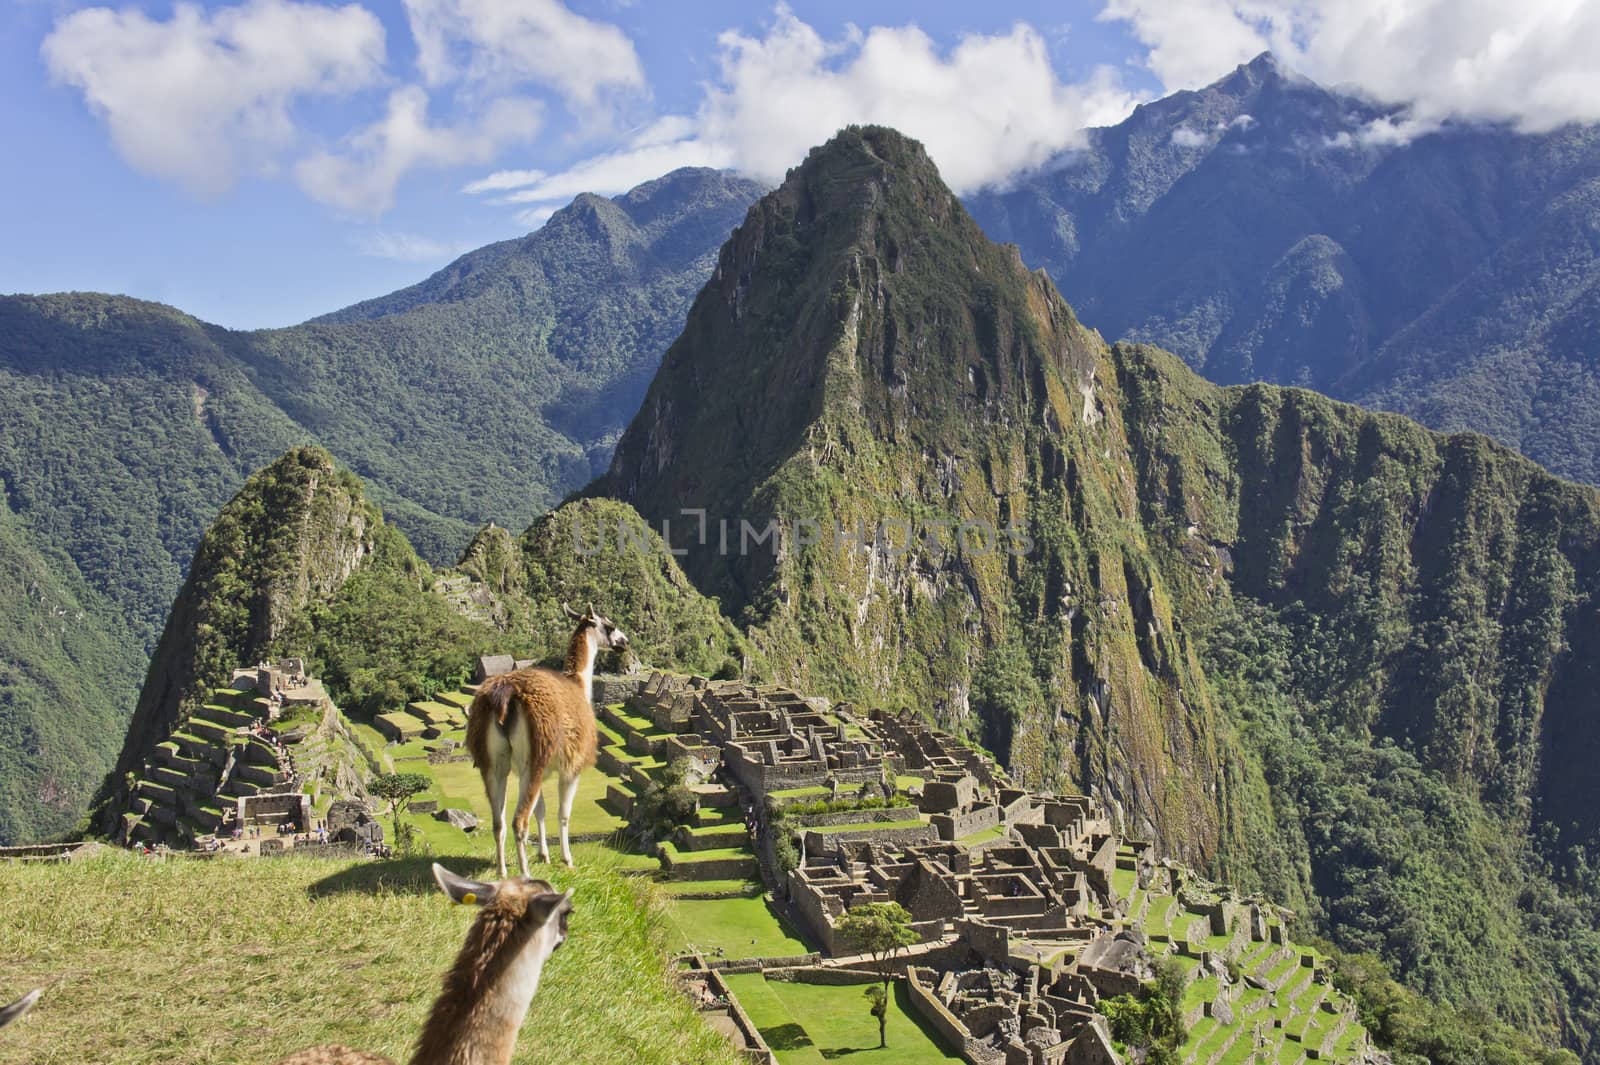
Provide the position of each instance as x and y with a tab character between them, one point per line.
880	1010
398	789
880	929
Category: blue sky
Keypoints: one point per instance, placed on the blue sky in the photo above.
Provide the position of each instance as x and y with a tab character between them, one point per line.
258	163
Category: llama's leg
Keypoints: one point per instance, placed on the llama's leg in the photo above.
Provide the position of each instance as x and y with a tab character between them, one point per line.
527	801
494	783
538	812
569	791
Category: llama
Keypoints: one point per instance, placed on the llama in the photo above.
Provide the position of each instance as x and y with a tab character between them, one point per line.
19	1007
536	719
486	993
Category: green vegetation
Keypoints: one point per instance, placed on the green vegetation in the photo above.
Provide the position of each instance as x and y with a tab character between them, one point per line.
735	928
397	790
275	955
1420	1031
808	1024
1317	651
1152	1021
880	929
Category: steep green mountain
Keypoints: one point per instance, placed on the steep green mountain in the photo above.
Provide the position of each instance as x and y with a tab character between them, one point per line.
865	357
1264	229
299	562
1330	652
484	393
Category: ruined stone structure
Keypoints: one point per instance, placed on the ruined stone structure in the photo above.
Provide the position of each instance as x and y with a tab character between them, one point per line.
773	739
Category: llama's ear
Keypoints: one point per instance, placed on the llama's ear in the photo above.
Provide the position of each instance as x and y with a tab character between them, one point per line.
592	612
462	890
554	901
571	613
23	1005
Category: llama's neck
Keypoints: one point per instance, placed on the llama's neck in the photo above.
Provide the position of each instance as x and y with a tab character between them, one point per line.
581	653
481	1029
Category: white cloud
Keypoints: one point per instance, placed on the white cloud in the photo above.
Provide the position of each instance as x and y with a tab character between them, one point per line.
1529	63
1184	137
504	179
408	247
508	42
621	170
986	109
363	178
203	96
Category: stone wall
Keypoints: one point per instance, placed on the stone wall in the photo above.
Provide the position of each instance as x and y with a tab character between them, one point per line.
829	842
947	1024
977	819
853	817
611	688
813	974
755	1049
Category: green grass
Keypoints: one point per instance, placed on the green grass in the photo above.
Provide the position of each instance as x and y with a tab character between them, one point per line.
679	857
711	887
741	928
239	962
983	836
806	1024
810	792
1123	881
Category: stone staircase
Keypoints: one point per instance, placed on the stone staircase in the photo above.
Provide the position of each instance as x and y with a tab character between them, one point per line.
193	780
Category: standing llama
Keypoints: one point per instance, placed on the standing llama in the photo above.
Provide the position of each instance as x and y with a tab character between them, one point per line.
19	1007
476	1017
534	720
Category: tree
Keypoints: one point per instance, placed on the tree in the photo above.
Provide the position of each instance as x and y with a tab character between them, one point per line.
665	804
879	929
398	789
880	1010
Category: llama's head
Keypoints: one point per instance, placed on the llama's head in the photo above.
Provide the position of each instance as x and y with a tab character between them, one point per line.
610	637
19	1007
520	924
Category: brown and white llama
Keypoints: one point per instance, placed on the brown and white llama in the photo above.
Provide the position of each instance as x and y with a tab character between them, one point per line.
486	993
19	1007
535	720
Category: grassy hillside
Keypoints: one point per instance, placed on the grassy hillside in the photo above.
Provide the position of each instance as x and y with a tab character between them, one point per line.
240	961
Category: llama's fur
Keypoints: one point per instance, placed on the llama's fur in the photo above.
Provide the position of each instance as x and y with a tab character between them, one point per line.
486	993
533	721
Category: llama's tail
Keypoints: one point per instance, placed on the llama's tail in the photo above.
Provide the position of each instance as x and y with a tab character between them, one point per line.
489	710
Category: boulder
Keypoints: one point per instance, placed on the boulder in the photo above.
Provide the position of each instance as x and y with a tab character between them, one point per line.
462	819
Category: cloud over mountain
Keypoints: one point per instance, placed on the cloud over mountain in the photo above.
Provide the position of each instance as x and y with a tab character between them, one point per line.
1530	64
